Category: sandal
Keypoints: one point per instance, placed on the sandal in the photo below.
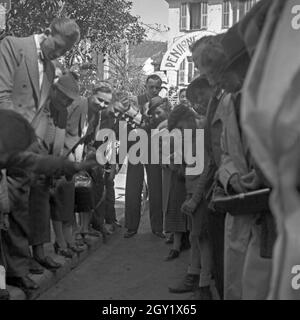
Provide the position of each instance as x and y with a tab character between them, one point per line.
63	252
130	233
173	254
75	248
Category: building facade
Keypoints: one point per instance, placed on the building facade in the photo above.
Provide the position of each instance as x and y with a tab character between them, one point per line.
190	20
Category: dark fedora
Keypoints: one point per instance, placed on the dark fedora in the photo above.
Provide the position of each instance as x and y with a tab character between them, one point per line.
233	45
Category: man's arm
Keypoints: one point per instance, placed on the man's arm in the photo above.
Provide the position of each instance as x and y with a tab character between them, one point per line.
36	163
228	174
9	61
227	168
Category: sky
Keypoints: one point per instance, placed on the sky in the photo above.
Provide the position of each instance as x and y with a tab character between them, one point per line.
152	12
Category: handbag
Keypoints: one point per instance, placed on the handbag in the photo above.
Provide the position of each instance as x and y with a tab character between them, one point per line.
83	179
83	191
243	203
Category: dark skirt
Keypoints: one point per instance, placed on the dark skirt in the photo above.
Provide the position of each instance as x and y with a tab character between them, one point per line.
86	199
175	220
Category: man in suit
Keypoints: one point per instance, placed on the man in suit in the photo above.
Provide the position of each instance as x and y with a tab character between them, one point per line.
135	177
27	74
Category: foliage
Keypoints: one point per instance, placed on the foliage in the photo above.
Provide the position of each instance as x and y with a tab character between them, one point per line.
125	75
102	22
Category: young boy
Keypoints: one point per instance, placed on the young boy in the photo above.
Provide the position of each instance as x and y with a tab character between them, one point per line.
198	277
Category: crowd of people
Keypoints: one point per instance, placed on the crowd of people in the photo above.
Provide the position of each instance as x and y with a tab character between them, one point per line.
50	172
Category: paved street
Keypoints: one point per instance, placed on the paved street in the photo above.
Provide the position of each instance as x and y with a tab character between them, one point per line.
124	268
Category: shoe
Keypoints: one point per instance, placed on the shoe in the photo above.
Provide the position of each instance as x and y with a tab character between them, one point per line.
4	294
92	233
63	252
80	242
88	242
159	234
109	229
48	263
188	284
170	239
24	283
117	224
35	267
185	242
202	293
75	248
185	246
130	233
173	254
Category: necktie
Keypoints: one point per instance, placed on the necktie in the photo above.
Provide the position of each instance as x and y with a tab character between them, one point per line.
46	83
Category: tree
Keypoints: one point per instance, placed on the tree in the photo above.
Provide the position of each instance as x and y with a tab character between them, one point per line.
125	74
103	23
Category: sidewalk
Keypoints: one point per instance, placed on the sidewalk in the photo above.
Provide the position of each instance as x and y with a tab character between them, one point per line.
48	279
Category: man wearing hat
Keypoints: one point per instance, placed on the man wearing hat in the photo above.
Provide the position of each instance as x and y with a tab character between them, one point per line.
247	270
225	63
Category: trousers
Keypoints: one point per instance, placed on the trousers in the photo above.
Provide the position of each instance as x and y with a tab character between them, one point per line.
134	186
15	240
39	213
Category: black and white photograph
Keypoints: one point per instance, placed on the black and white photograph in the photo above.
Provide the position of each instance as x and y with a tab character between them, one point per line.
149	151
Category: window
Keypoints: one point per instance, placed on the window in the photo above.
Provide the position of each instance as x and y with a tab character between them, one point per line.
181	74
198	15
226	14
183	16
249	4
190	69
245	6
204	15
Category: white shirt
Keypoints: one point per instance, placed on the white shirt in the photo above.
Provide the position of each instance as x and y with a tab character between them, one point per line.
38	39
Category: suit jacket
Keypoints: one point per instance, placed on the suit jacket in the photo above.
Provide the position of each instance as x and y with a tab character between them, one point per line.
19	77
